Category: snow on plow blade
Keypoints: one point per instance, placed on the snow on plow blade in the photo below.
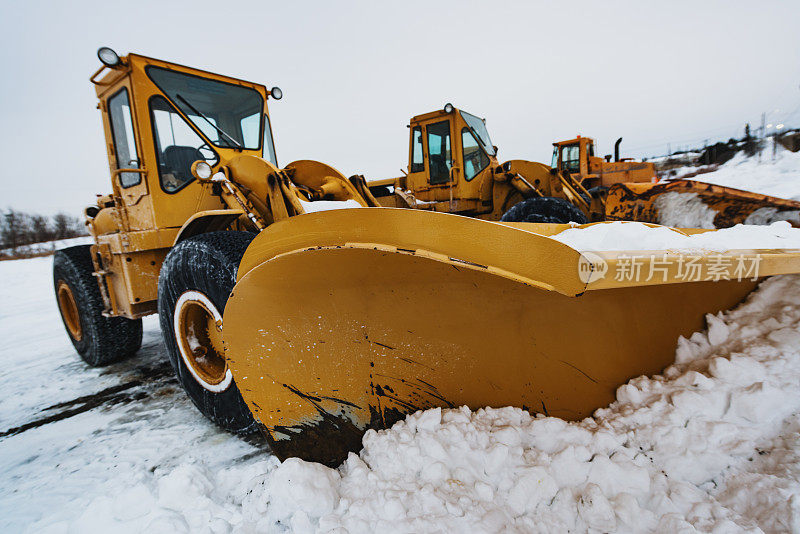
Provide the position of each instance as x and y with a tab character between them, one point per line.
686	203
349	320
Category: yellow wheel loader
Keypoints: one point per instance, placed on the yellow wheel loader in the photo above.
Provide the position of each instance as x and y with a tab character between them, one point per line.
576	157
315	324
453	168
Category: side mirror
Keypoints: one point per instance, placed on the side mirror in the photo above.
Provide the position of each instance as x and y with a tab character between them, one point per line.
201	170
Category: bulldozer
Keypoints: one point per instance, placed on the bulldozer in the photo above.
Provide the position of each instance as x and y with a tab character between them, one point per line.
576	157
292	302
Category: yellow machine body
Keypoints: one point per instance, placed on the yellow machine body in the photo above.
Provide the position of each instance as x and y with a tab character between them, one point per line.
453	168
349	319
576	157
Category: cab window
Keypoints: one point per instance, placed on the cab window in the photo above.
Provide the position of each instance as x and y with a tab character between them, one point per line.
439	156
119	113
250	127
475	159
417	165
269	144
177	146
227	114
570	158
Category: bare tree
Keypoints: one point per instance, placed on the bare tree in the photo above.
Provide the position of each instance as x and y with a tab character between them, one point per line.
18	228
13	229
64	226
40	228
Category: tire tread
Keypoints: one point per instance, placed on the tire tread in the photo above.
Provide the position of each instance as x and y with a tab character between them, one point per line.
105	339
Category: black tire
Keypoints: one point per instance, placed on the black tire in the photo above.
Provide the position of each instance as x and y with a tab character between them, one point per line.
206	264
100	340
544	210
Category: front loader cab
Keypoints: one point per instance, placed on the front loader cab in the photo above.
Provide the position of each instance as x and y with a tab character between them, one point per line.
449	149
572	156
159	118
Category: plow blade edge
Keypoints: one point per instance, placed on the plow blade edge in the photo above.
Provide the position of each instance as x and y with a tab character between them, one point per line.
686	203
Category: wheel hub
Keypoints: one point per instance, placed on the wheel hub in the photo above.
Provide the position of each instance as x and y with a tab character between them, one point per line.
198	333
69	310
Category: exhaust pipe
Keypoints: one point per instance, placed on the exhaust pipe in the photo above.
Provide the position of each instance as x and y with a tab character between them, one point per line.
616	149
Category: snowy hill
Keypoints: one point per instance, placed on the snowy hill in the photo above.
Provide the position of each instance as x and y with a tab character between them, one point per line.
777	176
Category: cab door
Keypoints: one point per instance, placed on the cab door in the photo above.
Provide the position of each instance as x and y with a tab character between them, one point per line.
439	143
124	153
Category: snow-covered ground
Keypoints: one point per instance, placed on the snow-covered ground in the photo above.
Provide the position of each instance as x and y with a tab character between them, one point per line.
73	438
712	444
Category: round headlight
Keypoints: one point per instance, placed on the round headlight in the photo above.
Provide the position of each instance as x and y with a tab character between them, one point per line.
448	108
276	93
201	170
108	57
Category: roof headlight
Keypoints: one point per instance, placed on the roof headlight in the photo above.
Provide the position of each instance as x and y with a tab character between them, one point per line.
108	57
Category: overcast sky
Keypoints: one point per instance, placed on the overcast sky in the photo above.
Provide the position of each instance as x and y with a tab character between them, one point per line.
354	73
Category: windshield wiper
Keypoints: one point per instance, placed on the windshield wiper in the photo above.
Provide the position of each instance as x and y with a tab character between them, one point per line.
200	113
486	148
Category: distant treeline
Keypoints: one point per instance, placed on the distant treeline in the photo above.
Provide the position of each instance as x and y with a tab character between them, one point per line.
18	228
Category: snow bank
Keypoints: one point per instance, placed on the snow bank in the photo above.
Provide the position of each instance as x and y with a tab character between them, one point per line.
711	445
621	235
684	210
778	176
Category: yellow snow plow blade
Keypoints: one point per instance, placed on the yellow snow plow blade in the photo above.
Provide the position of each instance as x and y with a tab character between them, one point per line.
347	320
696	204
